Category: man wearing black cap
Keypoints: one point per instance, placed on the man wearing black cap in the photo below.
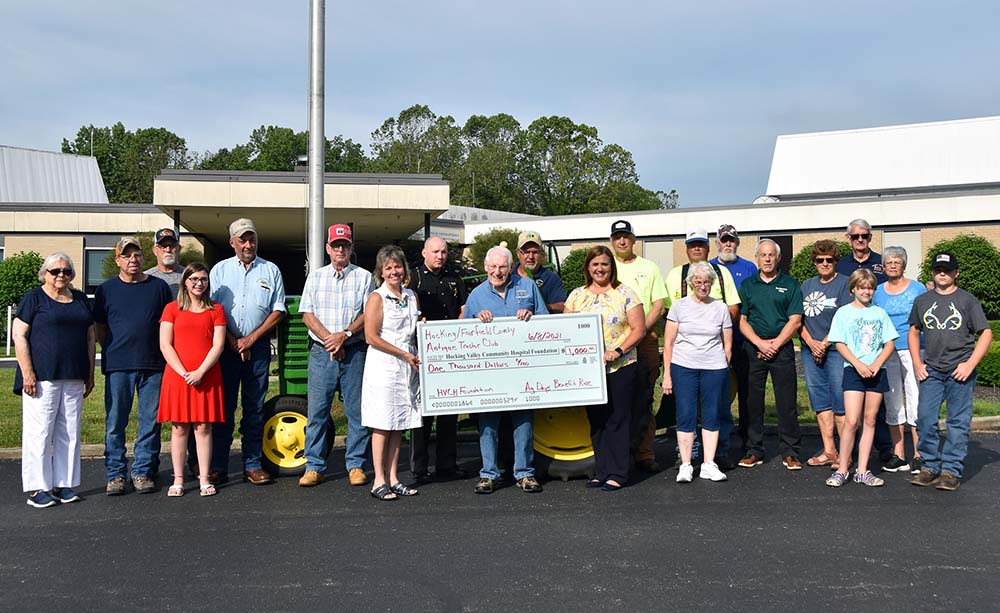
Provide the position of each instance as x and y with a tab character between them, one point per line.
949	318
645	278
168	267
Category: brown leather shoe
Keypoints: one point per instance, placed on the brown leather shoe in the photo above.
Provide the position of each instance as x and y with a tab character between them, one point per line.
792	463
750	461
357	476
257	476
218	477
925	478
310	478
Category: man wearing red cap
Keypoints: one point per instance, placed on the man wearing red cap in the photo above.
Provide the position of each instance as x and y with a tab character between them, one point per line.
332	307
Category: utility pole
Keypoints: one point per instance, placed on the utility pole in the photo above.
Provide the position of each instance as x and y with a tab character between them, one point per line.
317	133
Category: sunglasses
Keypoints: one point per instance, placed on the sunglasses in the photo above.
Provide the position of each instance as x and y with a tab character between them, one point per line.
826	260
55	272
857	237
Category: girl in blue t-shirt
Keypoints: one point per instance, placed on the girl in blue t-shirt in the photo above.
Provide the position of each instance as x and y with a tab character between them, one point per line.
863	334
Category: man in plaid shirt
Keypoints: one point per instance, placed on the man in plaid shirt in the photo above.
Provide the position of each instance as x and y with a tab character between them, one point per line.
332	307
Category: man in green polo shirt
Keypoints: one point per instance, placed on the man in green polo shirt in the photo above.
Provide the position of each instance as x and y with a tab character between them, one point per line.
771	309
644	277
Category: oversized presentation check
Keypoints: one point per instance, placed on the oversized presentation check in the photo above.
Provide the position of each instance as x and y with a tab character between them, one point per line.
467	366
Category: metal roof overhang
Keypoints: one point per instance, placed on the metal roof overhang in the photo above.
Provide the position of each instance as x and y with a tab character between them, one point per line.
383	208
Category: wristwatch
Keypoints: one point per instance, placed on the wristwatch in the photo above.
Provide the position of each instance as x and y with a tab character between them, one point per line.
348	333
620	352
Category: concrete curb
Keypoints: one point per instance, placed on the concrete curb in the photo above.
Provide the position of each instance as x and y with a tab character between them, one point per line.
89	452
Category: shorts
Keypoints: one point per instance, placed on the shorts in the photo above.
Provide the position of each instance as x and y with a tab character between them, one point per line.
854	383
825	381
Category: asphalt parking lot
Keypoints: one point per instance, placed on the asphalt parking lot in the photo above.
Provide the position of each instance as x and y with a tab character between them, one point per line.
768	539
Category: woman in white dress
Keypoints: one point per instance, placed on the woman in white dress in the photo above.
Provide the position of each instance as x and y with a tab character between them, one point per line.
390	389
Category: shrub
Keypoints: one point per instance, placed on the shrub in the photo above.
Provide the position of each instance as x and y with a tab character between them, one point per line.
18	274
989	367
484	242
978	263
802	266
571	269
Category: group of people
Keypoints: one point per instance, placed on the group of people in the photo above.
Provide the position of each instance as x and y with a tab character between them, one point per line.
190	342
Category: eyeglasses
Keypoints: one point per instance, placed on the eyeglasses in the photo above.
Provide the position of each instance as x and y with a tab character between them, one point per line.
858	237
167	245
55	272
892	264
340	246
501	268
198	280
135	256
826	260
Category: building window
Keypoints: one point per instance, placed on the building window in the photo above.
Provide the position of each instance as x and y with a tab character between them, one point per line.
1	254
93	268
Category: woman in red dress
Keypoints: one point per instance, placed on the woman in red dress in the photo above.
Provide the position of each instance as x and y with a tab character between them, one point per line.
192	337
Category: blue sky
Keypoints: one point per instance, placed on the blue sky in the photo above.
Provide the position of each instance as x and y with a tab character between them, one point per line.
698	92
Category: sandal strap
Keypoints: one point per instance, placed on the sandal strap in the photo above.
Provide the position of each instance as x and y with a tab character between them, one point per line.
402	490
383	492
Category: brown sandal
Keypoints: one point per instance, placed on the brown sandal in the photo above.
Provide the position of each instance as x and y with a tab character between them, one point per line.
823	459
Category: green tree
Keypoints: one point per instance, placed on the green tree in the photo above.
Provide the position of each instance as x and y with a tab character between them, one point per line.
571	269
489	177
129	160
418	141
18	274
978	263
802	266
274	148
484	242
566	169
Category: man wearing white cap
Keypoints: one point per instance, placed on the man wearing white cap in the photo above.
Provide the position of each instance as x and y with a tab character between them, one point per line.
696	245
252	293
332	308
530	257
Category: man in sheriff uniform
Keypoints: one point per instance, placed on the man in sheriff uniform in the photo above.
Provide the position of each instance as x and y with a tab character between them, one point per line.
441	292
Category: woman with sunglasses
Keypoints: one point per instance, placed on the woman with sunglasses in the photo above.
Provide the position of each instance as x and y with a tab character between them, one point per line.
192	338
822	295
54	337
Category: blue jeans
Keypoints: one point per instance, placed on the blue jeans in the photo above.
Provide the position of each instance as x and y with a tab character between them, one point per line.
248	381
524	444
825	381
938	387
325	376
120	388
697	386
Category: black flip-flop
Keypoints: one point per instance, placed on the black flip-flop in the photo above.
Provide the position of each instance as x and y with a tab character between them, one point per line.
595	483
611	487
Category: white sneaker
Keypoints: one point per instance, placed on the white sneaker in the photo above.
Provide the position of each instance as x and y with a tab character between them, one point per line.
685	473
710	470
